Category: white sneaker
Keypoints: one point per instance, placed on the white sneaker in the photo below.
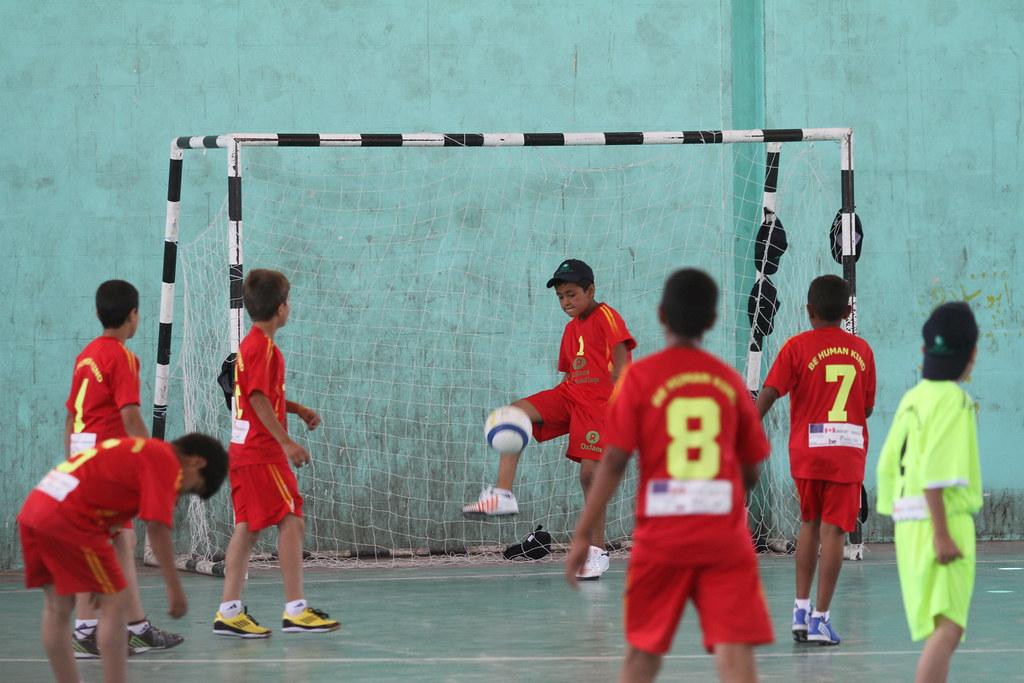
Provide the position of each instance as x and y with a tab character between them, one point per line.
595	566
493	502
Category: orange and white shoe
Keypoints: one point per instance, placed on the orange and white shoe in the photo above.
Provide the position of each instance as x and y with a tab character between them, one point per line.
493	502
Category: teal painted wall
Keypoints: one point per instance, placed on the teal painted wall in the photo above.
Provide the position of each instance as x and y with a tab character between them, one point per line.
93	92
935	93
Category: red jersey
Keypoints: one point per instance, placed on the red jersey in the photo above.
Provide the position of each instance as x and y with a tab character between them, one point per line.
95	491
829	375
586	352
105	379
259	367
692	420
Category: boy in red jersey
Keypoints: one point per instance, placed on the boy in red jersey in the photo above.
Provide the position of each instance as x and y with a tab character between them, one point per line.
829	375
595	348
700	443
264	491
104	404
67	521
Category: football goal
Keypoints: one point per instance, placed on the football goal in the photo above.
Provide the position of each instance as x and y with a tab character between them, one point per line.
418	264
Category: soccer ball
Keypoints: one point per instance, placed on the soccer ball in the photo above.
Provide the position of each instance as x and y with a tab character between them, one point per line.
508	429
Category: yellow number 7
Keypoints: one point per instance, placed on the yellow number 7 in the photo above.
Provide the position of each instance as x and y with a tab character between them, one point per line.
845	374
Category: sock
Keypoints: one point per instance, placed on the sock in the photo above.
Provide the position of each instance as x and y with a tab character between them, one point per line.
85	627
231	609
139	627
295	607
820	615
502	491
804	604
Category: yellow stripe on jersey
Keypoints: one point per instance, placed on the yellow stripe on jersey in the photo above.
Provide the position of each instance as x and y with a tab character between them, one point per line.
611	319
132	360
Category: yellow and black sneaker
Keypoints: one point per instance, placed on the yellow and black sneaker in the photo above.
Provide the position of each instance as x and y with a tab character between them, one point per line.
239	626
308	620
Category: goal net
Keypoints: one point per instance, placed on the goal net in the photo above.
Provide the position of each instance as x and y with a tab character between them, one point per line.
419	304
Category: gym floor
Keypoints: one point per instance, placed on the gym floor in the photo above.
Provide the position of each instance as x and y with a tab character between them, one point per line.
520	622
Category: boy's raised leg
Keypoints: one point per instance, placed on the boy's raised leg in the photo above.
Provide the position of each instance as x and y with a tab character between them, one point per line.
111	637
735	663
933	665
507	466
54	632
639	666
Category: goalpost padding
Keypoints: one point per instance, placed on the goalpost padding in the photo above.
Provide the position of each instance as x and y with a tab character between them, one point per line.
418	511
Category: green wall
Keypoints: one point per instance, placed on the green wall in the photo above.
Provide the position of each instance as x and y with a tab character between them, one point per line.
93	92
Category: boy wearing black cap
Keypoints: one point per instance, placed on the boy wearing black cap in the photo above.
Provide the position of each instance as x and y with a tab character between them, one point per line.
929	481
595	348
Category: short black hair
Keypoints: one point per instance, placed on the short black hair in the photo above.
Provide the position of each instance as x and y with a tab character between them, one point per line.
689	303
115	299
212	451
263	292
828	296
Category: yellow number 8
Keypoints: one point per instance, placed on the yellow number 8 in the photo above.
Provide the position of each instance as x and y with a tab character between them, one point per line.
703	439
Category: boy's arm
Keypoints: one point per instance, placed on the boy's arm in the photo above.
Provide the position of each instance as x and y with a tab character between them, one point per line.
946	549
620	359
751	472
131	416
305	414
766	398
159	537
265	412
609	474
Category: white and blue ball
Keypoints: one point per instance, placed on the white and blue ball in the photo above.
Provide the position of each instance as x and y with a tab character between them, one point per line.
508	429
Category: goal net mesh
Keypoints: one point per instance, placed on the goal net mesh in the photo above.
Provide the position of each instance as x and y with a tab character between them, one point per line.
419	304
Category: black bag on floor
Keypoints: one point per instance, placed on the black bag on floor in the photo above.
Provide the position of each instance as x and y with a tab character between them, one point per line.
534	547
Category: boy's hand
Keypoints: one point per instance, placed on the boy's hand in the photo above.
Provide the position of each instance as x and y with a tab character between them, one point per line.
945	549
296	453
177	603
575	559
310	417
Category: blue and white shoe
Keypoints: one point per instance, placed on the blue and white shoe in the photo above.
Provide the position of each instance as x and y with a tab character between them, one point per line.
819	630
800	617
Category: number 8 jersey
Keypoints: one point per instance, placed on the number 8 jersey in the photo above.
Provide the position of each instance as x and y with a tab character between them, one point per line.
829	375
693	423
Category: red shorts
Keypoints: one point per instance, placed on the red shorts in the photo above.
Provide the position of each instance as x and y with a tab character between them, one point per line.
830	501
563	414
729	598
263	495
89	566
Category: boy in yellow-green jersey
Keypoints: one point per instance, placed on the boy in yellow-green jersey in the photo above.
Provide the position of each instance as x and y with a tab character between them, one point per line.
929	481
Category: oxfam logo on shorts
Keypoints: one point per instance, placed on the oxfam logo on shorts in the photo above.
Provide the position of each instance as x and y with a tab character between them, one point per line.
593	437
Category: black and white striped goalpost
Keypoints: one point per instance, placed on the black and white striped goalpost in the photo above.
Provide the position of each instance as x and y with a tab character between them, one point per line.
234	143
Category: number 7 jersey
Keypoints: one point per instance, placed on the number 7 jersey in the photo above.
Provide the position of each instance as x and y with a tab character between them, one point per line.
829	375
693	423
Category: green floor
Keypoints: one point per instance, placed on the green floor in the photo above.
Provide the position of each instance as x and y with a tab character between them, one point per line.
516	622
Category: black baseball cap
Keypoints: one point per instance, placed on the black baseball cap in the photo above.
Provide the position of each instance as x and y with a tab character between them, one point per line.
571	270
950	335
